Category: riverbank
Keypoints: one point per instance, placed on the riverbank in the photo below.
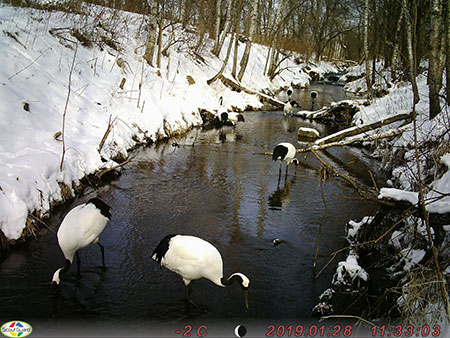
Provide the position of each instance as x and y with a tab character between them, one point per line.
89	69
393	254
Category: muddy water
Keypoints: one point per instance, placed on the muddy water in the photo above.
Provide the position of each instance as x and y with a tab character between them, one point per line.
217	185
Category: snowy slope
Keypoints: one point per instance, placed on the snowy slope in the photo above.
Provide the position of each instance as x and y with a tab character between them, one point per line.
37	51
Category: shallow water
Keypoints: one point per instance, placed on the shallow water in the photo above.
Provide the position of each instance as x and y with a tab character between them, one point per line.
219	186
327	94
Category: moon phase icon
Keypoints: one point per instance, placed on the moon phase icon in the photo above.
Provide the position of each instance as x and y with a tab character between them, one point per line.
240	331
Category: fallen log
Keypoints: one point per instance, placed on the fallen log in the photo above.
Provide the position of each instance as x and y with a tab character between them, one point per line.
388	134
356	130
263	97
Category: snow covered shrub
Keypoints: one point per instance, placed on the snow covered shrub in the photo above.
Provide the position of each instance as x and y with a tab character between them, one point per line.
349	274
353	229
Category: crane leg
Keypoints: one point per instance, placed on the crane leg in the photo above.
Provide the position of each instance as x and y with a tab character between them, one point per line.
102	249
78	263
189	299
188	292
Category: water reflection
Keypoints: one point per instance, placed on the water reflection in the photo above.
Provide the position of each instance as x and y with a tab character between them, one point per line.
280	198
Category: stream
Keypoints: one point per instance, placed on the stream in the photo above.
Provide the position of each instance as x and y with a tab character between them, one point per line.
216	185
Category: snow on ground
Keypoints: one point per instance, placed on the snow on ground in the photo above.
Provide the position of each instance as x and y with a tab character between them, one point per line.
383	79
37	50
437	199
399	101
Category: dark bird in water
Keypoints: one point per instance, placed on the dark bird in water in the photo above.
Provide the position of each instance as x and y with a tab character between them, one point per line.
313	94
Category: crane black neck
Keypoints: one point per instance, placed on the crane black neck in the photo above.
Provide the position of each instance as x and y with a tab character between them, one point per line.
233	278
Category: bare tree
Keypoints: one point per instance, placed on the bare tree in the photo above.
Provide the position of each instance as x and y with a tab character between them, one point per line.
237	32
226	29
275	32
217	24
434	71
251	30
447	47
151	29
410	21
396	43
160	31
366	46
224	64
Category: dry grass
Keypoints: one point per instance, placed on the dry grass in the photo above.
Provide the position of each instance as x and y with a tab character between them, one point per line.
420	300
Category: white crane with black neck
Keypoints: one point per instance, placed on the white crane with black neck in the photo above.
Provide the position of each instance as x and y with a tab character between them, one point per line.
194	258
80	228
286	152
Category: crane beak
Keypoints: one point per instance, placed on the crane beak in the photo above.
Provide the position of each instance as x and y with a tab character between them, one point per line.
246	298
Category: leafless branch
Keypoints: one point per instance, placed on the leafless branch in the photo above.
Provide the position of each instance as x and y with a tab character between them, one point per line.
63	138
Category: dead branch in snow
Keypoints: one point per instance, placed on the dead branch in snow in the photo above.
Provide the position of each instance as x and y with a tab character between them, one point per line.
108	130
236	86
29	65
103	172
63	138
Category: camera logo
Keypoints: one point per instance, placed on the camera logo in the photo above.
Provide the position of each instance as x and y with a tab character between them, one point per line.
16	328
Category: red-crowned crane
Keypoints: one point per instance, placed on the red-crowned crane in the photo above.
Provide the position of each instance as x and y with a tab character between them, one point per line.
285	152
80	228
194	258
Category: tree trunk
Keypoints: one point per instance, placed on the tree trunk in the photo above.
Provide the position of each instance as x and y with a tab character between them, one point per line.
259	18
410	38
251	31
395	53
226	29
217	24
263	97
230	45
317	24
151	29
160	30
187	12
374	43
275	34
447	46
366	47
434	74
201	26
237	32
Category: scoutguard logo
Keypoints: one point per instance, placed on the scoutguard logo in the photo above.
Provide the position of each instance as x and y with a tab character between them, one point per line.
16	328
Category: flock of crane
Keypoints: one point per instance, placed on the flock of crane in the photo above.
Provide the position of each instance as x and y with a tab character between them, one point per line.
190	257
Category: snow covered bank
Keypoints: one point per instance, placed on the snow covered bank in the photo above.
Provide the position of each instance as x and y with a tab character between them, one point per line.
108	82
402	259
438	200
